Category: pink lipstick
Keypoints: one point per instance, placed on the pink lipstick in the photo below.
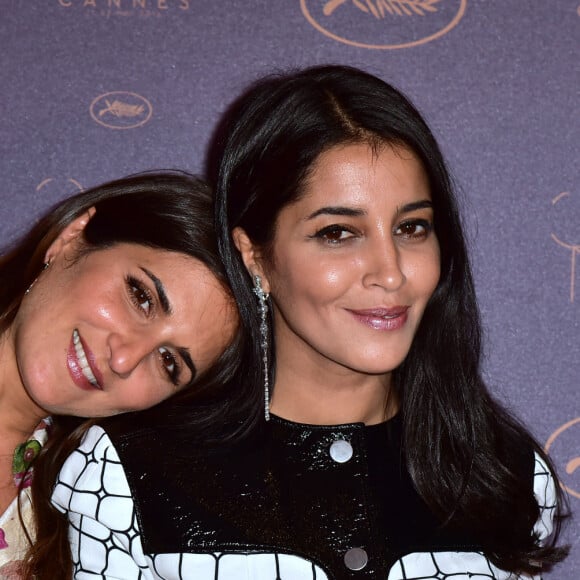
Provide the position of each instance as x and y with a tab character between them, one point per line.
81	364
382	318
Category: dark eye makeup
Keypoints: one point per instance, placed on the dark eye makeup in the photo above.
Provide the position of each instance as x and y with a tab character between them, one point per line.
335	234
139	294
414	229
144	300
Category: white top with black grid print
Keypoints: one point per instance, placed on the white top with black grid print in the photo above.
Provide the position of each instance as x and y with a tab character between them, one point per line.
93	492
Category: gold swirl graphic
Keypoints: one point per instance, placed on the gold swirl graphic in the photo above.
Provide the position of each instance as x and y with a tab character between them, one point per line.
49	180
573	247
574	462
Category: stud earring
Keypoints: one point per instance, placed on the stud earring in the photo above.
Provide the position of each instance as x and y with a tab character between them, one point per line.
44	267
264	339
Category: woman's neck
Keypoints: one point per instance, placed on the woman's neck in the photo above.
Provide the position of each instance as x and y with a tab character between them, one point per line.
19	414
321	397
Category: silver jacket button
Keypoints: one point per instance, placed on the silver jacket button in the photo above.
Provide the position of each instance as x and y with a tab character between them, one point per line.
356	559
340	451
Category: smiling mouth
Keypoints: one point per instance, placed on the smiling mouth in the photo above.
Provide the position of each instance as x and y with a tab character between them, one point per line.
385	313
383	318
83	360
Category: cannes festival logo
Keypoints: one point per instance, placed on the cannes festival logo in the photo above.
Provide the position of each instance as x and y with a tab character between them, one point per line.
383	24
121	110
566	210
563	446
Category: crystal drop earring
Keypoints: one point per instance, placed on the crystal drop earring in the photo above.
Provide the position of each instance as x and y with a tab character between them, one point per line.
264	339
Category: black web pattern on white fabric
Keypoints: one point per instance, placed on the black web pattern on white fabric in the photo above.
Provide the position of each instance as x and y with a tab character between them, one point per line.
271	567
437	572
446	565
105	535
100	502
106	540
449	566
545	490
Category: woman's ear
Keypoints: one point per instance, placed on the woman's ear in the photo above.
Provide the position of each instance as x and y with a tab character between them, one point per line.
251	256
69	235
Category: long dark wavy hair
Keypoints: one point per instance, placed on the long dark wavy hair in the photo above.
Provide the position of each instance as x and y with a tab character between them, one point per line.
170	211
459	443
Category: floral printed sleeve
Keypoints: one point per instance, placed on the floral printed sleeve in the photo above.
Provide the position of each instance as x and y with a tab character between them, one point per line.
13	540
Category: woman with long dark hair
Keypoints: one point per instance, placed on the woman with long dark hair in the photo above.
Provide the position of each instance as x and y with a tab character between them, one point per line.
113	302
367	444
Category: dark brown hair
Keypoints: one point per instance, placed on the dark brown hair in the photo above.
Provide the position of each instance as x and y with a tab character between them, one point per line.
459	443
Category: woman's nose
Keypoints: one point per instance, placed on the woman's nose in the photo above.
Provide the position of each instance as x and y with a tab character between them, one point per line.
126	352
383	265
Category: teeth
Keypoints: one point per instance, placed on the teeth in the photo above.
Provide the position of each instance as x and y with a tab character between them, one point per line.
82	358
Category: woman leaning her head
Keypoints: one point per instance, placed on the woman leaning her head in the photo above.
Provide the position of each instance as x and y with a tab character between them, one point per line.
295	138
107	279
115	301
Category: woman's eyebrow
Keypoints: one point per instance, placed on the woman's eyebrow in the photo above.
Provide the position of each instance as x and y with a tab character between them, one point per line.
163	300
408	207
186	357
358	212
337	210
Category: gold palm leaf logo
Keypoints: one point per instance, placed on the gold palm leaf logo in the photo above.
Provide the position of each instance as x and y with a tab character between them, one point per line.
384	8
383	24
121	110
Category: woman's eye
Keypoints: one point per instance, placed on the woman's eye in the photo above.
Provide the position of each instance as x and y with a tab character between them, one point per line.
414	229
170	365
140	295
334	234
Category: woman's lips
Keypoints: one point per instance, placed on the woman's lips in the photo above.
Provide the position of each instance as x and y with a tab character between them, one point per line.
382	318
81	364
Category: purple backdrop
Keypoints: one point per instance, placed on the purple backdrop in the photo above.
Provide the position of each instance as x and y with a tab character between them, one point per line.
96	89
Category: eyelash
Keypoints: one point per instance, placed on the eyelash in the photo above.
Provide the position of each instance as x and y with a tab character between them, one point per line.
334	229
137	287
422	223
176	372
323	233
139	293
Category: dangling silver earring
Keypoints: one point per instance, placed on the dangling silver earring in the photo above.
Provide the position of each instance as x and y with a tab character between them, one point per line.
44	267
264	339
